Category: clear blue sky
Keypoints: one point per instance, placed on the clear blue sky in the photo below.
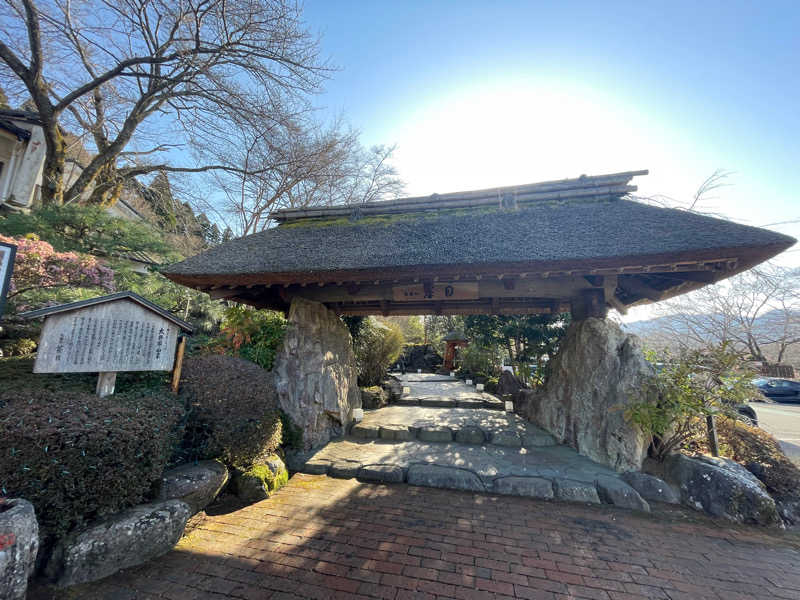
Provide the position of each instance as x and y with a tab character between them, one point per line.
479	94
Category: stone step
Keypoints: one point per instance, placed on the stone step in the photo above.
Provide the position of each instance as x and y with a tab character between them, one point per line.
434	424
477	401
554	472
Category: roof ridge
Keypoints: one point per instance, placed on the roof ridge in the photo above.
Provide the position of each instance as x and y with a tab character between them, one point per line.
614	184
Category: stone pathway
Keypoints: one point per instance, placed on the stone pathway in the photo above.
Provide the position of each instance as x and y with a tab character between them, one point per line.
444	444
328	538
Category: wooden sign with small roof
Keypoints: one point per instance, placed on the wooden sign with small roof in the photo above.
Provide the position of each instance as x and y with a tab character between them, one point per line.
108	334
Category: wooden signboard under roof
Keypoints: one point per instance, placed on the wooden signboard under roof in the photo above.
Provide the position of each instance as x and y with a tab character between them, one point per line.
580	245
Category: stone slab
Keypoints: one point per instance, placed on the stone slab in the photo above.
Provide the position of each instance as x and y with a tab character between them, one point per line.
435	434
395	432
451	478
470	434
382	473
365	430
576	491
344	469
507	438
651	487
531	487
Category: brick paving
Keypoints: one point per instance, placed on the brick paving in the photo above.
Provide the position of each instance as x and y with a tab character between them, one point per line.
333	538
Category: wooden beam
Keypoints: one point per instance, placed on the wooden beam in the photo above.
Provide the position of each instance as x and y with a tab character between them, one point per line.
617	304
634	285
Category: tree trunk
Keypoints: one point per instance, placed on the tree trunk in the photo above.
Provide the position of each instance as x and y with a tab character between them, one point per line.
53	169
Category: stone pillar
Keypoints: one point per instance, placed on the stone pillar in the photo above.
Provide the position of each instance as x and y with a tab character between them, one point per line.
598	372
315	373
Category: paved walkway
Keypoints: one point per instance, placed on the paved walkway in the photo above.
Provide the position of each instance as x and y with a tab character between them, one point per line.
331	538
441	443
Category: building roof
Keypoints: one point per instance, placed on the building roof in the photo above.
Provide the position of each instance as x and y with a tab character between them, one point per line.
51	310
572	227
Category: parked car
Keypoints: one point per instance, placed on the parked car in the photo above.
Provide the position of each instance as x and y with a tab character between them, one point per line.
778	389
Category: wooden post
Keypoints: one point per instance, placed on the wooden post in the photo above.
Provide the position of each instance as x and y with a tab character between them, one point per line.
713	441
105	383
176	370
590	303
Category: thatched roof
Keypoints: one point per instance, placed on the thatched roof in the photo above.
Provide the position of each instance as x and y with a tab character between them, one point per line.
574	226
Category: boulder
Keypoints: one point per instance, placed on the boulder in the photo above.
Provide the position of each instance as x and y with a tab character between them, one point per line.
509	385
124	540
19	544
721	488
261	480
597	373
374	397
651	487
615	491
195	484
451	478
315	373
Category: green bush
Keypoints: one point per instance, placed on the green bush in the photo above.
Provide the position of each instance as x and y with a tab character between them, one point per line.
689	388
477	360
376	347
254	335
233	410
18	347
78	457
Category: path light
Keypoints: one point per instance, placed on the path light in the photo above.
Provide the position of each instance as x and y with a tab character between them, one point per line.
452	373
479	387
419	370
468	382
509	406
406	390
358	414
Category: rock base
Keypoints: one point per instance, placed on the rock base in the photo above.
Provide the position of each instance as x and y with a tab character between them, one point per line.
195	484
261	480
19	544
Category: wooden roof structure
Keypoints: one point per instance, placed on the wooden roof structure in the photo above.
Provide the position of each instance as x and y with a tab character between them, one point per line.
579	245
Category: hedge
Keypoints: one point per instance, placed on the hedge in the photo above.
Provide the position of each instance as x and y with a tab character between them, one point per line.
233	410
78	457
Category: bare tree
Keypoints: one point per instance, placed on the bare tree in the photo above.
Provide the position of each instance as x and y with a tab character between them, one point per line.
292	163
757	312
139	74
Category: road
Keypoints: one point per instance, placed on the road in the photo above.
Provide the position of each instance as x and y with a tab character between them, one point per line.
783	422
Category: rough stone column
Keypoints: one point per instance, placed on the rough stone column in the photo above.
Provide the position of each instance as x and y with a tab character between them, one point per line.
315	373
598	372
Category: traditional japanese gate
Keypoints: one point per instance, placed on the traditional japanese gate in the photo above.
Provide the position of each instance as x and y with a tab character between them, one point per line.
577	245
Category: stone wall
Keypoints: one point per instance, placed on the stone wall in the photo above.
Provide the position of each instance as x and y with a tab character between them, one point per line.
597	373
315	373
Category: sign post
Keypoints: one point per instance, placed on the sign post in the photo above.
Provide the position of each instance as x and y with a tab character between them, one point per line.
109	334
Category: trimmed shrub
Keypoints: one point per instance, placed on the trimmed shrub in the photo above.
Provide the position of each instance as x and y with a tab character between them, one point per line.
254	335
233	410
78	457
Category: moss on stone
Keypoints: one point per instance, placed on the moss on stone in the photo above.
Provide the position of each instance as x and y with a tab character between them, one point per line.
263	472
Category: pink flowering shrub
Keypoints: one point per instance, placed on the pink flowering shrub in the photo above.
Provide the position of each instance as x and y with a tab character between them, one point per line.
38	266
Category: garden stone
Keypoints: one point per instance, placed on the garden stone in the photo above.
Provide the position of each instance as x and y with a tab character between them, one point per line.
19	544
721	488
196	484
382	473
532	487
316	466
124	540
509	439
315	373
470	434
344	469
598	372
395	432
373	397
651	487
362	430
537	439
615	491
444	477
261	480
435	402
575	491
435	434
